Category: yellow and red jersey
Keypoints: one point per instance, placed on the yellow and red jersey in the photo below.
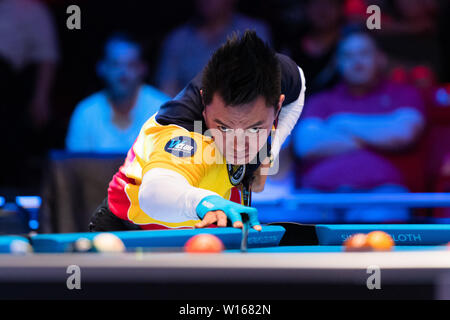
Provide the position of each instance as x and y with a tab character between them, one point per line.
169	140
190	154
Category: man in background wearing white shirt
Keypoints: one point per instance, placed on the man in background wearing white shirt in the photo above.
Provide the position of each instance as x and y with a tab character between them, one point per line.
110	120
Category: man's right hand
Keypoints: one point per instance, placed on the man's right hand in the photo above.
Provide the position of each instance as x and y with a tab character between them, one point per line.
218	217
212	209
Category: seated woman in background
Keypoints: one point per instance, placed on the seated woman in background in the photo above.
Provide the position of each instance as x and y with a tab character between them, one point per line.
345	134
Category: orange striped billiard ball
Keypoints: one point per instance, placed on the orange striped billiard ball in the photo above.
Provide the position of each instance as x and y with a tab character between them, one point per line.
380	241
204	243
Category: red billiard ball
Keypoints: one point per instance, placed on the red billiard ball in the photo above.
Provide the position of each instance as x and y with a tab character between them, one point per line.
204	243
357	242
380	241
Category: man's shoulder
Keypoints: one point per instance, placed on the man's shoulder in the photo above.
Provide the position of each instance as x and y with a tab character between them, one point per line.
286	61
92	105
292	82
185	108
151	93
175	141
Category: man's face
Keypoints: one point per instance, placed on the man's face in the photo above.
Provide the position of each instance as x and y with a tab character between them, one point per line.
240	132
122	69
358	60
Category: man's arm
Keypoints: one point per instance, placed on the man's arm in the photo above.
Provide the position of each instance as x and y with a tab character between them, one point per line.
394	130
166	195
314	138
184	202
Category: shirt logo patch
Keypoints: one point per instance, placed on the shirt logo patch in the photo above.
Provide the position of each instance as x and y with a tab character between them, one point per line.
236	173
181	146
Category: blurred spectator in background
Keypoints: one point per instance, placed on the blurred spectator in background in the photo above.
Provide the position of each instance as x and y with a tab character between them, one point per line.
314	46
187	49
110	120
28	55
413	17
409	33
343	132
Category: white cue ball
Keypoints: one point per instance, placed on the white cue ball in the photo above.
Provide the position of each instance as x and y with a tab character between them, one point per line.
108	242
20	247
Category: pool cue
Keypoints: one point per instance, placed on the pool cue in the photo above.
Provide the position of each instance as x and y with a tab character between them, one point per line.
246	193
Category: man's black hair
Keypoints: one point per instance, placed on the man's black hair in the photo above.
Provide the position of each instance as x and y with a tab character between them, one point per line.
241	70
122	36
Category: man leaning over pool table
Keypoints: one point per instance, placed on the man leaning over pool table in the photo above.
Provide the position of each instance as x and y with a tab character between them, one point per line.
223	130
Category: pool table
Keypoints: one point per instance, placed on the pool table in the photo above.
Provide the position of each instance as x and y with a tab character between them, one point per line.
283	261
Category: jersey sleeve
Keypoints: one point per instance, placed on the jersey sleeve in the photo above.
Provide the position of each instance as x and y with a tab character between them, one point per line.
174	201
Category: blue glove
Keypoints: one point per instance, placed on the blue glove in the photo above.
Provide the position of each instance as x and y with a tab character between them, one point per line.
232	210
